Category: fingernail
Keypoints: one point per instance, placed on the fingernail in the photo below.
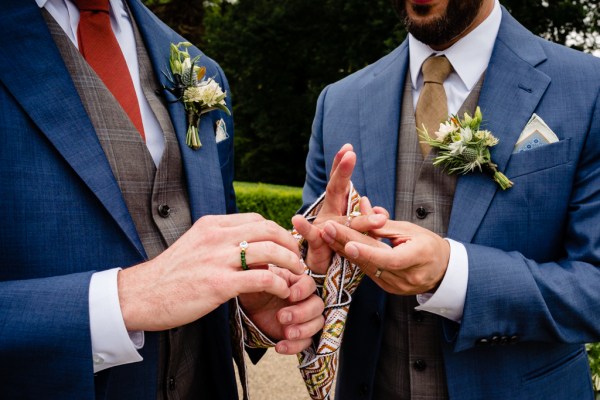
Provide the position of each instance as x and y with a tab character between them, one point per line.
281	348
351	251
293	333
330	230
285	317
328	239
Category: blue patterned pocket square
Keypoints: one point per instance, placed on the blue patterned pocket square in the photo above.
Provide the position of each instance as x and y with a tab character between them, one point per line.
535	134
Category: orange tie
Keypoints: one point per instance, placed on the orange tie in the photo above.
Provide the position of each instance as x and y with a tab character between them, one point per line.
98	45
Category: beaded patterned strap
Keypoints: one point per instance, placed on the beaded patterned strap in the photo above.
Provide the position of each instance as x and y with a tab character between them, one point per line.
318	363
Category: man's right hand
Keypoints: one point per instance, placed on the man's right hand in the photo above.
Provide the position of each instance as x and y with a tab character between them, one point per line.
335	204
202	270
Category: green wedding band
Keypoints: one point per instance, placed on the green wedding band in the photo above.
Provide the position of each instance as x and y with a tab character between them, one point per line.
243	248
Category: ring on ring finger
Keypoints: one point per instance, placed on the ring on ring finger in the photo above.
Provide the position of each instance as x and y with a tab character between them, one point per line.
350	217
378	273
243	247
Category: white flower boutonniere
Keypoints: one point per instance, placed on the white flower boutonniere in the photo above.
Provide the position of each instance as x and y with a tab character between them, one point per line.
198	93
463	147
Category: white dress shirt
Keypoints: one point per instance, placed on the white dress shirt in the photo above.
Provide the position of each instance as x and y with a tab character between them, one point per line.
112	345
469	57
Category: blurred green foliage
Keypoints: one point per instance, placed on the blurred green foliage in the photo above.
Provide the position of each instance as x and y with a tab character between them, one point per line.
594	357
274	202
279	54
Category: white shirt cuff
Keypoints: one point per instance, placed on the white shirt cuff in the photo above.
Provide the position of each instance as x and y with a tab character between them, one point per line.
448	300
112	345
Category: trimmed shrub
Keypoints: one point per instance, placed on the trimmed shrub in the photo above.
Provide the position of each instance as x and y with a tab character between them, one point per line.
274	202
594	357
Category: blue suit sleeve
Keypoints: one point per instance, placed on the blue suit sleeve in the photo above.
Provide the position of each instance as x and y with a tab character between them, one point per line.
44	326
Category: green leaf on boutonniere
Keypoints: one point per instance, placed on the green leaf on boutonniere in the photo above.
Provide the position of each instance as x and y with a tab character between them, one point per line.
198	93
464	148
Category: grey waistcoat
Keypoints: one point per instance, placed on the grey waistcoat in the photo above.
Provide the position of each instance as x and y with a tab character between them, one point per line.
411	364
155	197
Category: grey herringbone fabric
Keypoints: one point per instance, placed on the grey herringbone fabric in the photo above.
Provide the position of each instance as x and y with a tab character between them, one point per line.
146	189
411	364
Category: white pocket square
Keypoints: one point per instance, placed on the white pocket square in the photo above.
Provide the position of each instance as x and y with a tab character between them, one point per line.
221	131
535	134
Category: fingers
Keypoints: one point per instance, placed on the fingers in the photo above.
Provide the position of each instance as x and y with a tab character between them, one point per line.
302	287
256	281
319	254
301	321
338	185
308	231
337	235
299	337
338	157
258	254
366	223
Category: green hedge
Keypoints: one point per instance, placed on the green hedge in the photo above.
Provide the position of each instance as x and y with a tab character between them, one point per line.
594	357
274	202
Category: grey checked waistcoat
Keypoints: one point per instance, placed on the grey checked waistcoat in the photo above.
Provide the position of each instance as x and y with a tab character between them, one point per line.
411	364
155	197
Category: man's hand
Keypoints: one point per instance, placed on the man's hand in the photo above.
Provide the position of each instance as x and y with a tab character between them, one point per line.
202	270
335	204
294	319
416	262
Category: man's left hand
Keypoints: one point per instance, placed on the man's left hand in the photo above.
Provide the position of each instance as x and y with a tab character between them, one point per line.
416	262
292	321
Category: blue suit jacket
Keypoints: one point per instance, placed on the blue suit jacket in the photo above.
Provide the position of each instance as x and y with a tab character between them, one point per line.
64	217
534	250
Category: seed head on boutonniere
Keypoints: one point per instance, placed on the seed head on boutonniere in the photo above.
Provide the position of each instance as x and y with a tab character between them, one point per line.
199	94
463	147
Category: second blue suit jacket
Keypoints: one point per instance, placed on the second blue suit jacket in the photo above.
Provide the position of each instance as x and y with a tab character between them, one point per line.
64	217
533	291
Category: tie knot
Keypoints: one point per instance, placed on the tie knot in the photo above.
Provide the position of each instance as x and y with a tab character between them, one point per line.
92	5
436	69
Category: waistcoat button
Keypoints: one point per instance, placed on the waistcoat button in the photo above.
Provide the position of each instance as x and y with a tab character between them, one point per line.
164	210
422	212
420	365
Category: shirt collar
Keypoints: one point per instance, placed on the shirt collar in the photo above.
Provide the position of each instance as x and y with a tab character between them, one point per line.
469	56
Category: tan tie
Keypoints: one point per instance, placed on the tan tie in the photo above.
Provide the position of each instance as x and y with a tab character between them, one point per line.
432	107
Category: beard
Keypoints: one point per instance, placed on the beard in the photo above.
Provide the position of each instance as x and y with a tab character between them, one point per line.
442	29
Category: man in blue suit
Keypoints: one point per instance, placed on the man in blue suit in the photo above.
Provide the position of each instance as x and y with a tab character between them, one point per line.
506	281
85	195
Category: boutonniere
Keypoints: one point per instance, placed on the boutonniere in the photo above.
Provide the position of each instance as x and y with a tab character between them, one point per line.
463	147
198	93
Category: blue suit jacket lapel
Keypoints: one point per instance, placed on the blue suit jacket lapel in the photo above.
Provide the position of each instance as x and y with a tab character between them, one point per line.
201	166
32	69
379	116
512	89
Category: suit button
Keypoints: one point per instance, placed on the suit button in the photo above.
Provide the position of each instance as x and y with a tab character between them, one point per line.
420	365
495	340
482	342
363	389
514	339
418	316
164	210
172	383
422	212
504	340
